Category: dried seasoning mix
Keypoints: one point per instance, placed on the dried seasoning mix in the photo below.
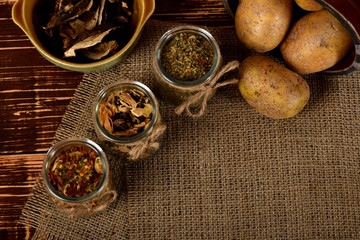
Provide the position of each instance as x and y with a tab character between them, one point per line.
125	113
87	30
187	56
76	171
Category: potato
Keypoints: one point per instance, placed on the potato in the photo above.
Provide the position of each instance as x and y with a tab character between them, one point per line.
316	42
261	25
309	5
272	89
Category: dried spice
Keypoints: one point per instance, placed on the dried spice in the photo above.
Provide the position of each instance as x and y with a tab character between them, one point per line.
88	30
187	56
125	113
76	171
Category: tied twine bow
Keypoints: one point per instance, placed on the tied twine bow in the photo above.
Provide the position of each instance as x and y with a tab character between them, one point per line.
206	91
101	203
142	148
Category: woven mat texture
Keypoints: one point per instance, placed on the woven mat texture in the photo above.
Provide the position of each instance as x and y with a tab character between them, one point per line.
232	174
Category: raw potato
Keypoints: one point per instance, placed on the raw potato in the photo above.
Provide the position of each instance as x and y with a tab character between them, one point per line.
309	5
316	42
261	25
272	89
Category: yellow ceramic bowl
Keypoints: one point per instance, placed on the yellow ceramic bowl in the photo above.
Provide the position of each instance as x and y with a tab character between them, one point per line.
23	13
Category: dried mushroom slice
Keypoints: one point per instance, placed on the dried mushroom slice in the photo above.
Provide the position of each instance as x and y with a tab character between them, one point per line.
101	50
119	12
73	29
148	110
91	19
68	12
94	37
142	111
137	112
127	100
126	8
101	11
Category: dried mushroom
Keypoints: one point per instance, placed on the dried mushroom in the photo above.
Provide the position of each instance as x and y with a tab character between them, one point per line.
88	30
126	113
90	39
101	50
64	13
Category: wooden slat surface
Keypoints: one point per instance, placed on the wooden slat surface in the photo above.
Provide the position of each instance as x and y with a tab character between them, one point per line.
18	173
34	95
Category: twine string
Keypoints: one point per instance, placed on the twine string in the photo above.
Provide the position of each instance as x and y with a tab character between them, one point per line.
207	91
150	142
101	203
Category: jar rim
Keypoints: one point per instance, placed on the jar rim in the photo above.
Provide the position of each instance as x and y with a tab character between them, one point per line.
50	157
167	36
116	86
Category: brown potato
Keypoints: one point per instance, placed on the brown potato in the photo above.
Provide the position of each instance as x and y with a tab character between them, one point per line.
261	25
316	42
272	89
309	5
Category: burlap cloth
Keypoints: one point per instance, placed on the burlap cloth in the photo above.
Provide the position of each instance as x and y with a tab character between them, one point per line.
232	174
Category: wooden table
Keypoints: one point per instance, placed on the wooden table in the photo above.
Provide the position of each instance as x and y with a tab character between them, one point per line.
34	95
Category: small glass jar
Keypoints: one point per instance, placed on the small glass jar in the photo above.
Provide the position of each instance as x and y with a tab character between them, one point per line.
139	146
175	90
95	201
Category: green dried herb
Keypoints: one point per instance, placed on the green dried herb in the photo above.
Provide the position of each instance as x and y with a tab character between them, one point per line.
187	56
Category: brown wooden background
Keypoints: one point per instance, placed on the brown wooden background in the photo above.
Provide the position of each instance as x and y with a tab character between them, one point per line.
34	95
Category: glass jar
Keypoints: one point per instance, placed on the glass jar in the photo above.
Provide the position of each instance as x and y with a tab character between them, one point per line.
175	90
138	146
95	201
